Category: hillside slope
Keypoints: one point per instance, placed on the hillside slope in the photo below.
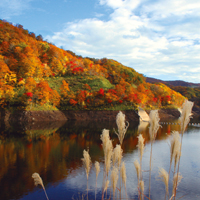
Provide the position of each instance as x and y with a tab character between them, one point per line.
37	75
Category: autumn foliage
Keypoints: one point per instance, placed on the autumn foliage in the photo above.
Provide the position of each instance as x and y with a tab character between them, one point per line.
33	70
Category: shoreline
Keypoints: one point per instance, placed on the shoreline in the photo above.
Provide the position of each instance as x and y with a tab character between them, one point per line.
89	115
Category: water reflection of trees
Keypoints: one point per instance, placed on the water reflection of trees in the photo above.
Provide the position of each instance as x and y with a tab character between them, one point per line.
54	152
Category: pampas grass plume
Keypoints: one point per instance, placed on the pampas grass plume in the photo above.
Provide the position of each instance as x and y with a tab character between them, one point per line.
108	155
123	173
141	145
117	155
122	128
106	185
164	177
175	148
154	124
137	167
104	138
87	162
174	144
97	168
186	113
107	148
38	181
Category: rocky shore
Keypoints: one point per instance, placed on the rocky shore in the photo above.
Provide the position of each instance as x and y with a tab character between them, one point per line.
51	119
52	116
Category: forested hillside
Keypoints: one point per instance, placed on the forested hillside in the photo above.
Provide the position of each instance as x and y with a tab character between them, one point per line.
37	75
189	90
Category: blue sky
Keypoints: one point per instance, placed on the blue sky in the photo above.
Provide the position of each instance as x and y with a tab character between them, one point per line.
158	38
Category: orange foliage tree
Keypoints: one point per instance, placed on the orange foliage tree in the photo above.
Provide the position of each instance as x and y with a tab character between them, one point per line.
46	95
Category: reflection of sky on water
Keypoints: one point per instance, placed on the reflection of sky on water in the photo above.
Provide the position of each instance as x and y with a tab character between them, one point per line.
190	170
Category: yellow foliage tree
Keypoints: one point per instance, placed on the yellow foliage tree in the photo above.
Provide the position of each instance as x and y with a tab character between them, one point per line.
64	89
30	84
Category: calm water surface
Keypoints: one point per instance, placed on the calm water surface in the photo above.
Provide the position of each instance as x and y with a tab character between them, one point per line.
55	152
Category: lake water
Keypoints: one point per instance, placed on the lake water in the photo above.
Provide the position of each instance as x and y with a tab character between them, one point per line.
56	152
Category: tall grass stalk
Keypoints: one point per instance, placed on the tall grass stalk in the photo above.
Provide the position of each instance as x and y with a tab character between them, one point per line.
104	138
108	156
176	180
122	127
114	179
184	119
123	176
105	189
165	178
141	186
137	168
87	163
107	148
97	169
141	151
186	113
117	158
38	181
175	150
108	152
153	129
117	155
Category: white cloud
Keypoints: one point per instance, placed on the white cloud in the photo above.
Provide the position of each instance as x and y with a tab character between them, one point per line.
181	43
154	37
112	3
10	8
163	8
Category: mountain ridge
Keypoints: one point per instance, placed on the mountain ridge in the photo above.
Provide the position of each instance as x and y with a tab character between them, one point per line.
173	83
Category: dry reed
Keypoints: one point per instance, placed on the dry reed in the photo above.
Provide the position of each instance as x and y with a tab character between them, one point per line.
184	119
108	156
176	180
117	155
87	162
114	179
38	181
141	186
106	186
122	128
107	148
123	174
154	124
186	113
137	167
153	129
140	146
97	168
105	189
104	138
175	149
165	178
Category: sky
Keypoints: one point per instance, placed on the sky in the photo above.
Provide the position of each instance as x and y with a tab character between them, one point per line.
157	38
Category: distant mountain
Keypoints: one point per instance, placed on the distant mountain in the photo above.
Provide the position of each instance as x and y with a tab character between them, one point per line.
173	83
